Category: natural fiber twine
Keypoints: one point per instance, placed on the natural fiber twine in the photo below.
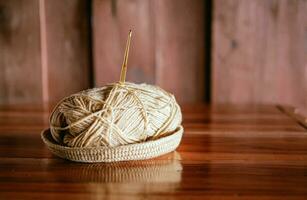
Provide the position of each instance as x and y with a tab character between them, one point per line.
121	121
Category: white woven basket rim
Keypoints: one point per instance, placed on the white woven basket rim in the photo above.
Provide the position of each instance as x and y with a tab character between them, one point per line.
137	151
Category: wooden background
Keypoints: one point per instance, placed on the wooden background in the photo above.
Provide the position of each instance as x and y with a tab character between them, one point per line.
260	52
218	51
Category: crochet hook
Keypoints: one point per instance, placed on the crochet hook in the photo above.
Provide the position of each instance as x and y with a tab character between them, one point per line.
124	65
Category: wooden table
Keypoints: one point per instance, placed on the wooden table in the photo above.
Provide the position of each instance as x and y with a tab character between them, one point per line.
227	152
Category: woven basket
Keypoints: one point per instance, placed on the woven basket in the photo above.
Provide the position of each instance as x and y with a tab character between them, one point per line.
138	151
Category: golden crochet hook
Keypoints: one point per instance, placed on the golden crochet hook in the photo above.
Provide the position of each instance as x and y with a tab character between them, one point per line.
124	65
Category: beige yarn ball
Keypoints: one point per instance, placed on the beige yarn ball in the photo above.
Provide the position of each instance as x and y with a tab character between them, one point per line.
115	115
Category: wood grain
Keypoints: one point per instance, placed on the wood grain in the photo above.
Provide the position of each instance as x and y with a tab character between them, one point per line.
180	48
20	58
259	52
167	46
43	56
236	152
112	22
67	47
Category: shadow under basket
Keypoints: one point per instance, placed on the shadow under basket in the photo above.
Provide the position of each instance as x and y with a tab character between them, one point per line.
137	151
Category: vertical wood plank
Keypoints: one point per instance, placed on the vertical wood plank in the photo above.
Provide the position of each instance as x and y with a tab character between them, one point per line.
112	21
167	44
259	52
20	64
44	50
180	48
67	47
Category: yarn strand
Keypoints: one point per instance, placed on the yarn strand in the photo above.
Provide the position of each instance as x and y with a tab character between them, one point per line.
115	115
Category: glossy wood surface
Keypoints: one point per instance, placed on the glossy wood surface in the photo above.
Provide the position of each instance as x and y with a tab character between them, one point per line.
227	152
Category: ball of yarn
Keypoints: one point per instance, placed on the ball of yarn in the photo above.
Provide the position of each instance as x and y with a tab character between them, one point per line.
114	115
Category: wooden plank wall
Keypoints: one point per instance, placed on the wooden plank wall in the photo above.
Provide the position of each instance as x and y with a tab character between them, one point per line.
167	45
43	50
68	47
20	61
259	52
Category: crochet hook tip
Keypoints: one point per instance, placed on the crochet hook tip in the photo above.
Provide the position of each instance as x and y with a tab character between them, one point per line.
124	65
